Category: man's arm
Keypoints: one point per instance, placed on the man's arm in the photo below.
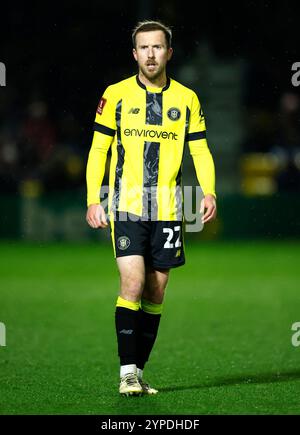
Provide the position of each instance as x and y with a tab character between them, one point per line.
105	129
94	176
205	171
203	161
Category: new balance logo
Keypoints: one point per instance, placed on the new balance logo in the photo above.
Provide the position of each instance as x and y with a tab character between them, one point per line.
134	110
126	331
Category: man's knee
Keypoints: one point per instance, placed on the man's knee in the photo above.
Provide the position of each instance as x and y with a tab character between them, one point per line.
132	277
155	285
131	288
154	290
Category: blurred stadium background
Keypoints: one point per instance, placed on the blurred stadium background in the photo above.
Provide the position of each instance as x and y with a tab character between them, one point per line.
238	58
59	63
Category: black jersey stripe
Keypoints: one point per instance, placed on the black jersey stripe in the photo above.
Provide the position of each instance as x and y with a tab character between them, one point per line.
196	136
154	108
103	129
154	116
187	120
120	161
150	179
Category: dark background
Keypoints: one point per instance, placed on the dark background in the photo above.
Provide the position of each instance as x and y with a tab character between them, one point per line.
60	56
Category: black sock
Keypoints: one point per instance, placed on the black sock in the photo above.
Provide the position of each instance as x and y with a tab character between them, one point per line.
148	327
126	322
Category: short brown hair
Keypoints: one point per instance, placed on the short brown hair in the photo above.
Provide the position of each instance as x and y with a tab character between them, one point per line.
147	26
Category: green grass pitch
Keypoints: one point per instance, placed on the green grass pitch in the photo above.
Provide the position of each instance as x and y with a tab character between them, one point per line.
224	345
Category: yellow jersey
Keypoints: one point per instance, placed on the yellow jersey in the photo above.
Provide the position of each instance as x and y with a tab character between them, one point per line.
147	128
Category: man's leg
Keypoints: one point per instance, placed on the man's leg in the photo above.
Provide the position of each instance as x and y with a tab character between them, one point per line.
149	317
132	278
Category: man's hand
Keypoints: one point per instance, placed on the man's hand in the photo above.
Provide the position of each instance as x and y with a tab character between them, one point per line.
209	208
95	216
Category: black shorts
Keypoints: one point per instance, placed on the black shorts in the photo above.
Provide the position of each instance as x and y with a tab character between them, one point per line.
159	242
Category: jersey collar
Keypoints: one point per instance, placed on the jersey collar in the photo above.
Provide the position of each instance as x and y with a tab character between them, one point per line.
144	87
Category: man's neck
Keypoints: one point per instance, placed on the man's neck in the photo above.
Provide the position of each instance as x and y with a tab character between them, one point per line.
159	82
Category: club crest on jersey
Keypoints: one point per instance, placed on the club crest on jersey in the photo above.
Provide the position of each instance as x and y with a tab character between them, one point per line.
174	114
101	105
123	242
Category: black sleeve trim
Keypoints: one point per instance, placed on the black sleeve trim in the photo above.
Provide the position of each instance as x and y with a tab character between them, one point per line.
102	129
196	136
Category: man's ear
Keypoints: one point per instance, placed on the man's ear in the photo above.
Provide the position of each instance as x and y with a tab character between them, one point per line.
170	53
134	53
